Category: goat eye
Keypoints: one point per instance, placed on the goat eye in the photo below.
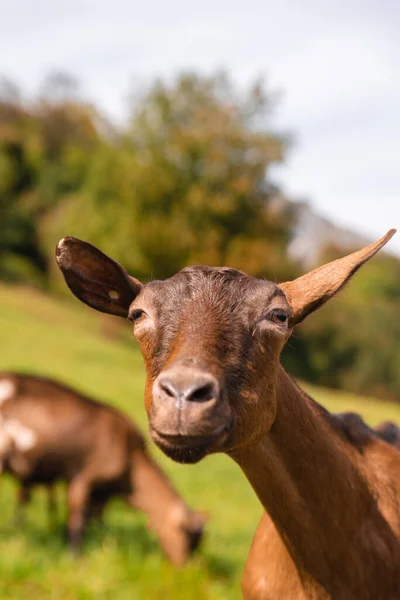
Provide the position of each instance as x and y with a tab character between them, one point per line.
136	315
279	316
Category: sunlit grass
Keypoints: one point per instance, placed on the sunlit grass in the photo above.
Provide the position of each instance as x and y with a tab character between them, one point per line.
122	560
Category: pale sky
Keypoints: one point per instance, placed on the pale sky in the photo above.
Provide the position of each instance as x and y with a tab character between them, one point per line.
336	63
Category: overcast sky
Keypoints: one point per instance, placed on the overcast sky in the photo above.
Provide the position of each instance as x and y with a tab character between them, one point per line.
336	63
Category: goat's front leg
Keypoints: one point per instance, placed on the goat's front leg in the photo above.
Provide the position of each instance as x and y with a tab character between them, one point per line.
77	498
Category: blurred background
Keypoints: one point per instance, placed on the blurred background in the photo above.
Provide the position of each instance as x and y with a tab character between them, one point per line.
264	136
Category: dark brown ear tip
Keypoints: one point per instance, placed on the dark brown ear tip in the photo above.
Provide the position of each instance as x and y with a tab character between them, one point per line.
67	241
63	250
64	247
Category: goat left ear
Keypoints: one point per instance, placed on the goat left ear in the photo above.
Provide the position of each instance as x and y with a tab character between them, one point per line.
95	278
307	293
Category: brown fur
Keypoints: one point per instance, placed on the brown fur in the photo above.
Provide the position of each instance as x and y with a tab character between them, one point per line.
380	468
211	340
99	453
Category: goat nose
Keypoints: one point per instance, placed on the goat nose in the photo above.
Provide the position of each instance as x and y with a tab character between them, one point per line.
193	388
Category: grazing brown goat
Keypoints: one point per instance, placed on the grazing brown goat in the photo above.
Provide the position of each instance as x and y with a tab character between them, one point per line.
211	340
50	432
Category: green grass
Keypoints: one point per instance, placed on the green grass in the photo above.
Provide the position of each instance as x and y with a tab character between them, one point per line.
122	560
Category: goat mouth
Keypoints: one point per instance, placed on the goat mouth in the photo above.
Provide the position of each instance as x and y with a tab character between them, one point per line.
190	448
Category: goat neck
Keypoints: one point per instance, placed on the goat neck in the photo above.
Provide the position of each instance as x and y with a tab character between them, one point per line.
306	479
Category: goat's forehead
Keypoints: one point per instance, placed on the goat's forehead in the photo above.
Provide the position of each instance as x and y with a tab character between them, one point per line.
220	286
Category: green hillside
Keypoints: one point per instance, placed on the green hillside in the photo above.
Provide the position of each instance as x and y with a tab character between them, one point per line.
121	560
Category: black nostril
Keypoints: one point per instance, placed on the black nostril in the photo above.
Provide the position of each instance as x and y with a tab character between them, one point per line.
186	386
202	393
169	388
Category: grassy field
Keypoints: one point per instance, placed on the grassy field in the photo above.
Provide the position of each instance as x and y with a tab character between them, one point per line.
122	560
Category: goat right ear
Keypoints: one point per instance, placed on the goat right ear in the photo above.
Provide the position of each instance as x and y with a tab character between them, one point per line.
307	293
95	278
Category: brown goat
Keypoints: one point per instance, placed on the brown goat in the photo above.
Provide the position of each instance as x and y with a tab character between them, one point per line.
211	340
49	432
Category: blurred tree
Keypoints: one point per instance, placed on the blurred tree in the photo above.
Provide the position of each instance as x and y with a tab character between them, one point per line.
59	87
17	233
44	153
188	182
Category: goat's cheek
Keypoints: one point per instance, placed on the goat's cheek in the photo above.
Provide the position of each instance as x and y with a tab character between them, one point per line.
147	347
268	351
148	394
253	416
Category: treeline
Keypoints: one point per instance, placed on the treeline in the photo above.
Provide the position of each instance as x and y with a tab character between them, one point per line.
186	180
183	182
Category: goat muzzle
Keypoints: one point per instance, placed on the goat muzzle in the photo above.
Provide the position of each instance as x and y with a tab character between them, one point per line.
188	411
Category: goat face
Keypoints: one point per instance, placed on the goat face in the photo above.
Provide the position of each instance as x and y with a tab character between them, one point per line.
211	340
